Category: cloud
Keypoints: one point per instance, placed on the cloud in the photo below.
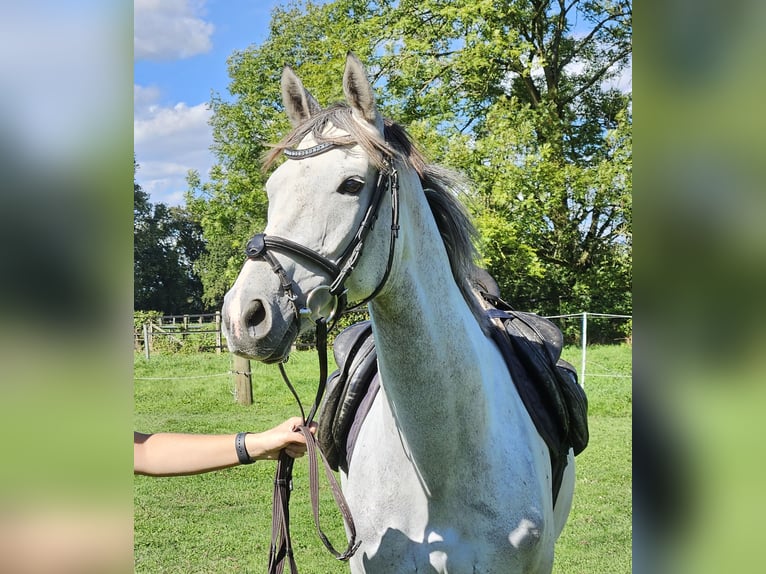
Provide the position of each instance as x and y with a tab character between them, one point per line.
168	142
144	97
621	79
170	29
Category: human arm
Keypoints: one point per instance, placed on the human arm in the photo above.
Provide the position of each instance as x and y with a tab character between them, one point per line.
173	454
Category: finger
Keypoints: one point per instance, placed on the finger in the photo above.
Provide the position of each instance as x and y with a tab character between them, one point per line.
295	424
295	453
297	438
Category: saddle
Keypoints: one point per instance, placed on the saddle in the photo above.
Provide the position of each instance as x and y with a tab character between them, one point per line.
349	393
531	347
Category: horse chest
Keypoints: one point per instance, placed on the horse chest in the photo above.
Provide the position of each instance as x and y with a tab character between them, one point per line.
451	521
445	550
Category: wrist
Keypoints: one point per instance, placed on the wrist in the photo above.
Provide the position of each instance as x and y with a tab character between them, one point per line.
254	446
240	445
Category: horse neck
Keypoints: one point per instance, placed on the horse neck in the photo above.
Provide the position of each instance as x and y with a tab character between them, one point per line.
431	349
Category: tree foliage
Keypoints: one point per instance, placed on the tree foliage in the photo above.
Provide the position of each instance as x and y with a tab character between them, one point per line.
515	94
166	242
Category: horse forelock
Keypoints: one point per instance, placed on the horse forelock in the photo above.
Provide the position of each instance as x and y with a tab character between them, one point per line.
334	124
442	186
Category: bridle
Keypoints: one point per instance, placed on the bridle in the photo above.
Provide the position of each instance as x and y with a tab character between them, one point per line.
324	304
329	302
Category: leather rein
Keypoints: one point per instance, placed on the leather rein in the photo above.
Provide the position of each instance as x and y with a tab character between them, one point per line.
324	304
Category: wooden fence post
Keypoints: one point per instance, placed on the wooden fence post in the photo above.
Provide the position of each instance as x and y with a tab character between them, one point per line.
218	338
243	380
584	347
146	341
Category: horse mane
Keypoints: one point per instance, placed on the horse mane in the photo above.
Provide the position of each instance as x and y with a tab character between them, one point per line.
442	186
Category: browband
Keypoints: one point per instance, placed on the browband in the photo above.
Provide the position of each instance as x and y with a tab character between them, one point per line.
308	152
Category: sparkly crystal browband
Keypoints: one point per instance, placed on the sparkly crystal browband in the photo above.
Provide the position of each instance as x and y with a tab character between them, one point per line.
308	152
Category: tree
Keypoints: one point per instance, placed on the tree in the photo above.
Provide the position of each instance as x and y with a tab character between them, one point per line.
231	207
508	92
166	243
525	109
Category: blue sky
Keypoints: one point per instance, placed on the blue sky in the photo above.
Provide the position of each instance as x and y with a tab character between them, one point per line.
180	52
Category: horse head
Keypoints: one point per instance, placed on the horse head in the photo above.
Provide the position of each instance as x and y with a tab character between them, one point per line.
323	201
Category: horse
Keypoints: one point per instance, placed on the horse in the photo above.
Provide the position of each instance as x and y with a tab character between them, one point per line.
449	473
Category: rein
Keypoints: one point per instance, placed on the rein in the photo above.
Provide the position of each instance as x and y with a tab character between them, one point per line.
281	543
324	304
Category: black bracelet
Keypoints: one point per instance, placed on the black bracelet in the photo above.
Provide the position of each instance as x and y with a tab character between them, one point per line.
239	444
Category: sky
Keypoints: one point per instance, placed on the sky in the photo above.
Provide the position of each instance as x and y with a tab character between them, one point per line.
180	53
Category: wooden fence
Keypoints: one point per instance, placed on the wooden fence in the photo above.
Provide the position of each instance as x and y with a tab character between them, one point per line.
174	332
202	331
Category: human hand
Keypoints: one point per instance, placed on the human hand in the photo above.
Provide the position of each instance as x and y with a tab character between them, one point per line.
268	444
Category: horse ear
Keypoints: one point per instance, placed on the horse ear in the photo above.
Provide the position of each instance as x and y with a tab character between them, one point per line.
299	104
359	93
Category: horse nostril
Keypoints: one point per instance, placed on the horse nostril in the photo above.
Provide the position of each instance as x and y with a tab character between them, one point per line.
255	315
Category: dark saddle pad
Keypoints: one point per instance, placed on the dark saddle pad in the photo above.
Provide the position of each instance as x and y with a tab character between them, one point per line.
349	393
531	347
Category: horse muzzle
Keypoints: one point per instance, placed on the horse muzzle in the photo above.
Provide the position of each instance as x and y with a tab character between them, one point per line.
259	327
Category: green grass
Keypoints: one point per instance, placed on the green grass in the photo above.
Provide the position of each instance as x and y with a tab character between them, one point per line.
220	522
597	538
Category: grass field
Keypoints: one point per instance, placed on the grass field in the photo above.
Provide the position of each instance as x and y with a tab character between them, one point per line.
220	522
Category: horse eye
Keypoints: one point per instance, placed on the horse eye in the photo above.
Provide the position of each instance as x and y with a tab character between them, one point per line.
351	185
